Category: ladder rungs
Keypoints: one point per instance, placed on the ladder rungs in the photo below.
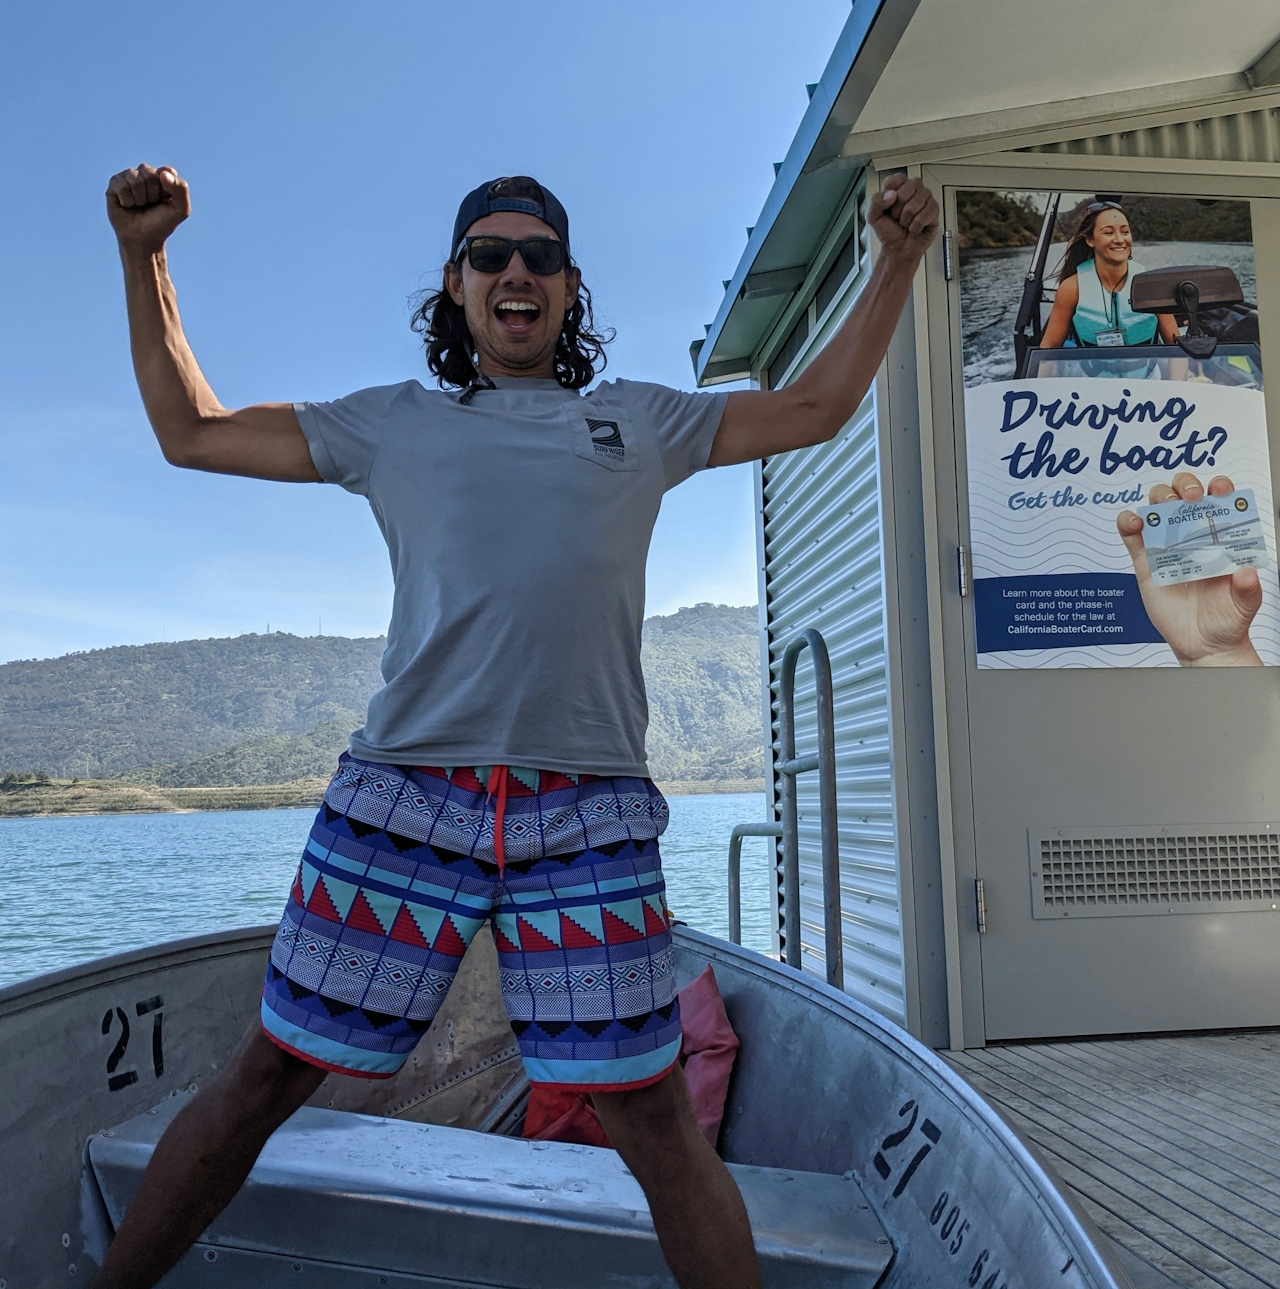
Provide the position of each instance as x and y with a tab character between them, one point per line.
799	764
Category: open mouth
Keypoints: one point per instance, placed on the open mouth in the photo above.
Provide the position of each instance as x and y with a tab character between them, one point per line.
517	315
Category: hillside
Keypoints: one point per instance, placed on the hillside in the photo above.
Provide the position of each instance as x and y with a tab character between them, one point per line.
702	670
269	758
102	714
997	219
276	709
1175	219
21	797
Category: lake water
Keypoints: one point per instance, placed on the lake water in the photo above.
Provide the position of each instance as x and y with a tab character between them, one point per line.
77	888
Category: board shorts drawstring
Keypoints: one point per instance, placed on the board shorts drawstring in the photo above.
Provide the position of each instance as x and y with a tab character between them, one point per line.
498	783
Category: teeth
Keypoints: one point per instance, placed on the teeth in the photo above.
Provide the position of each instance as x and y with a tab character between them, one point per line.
522	306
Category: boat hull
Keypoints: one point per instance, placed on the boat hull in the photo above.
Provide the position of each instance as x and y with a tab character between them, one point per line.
822	1084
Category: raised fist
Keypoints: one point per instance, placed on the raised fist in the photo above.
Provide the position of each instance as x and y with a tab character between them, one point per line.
905	218
145	205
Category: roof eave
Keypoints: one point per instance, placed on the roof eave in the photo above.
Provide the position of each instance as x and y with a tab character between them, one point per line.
813	162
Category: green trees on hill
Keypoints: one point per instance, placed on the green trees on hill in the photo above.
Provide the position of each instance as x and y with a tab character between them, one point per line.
991	220
269	758
1174	219
702	670
994	219
261	709
105	713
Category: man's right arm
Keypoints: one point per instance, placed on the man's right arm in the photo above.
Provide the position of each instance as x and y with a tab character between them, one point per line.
195	431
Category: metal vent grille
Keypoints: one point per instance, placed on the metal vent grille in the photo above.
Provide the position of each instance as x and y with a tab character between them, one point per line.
1142	871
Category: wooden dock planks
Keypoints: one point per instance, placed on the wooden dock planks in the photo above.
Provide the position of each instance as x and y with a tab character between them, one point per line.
1172	1144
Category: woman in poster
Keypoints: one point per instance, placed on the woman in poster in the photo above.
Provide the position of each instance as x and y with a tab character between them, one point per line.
1091	306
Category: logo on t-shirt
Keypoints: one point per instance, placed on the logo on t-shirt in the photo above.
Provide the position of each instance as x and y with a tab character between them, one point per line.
607	439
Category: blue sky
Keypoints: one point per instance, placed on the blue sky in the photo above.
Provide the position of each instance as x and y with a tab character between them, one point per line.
327	146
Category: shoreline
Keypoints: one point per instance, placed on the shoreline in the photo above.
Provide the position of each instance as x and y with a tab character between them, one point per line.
60	798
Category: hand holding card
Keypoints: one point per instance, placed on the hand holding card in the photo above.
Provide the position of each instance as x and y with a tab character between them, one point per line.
1196	555
1211	536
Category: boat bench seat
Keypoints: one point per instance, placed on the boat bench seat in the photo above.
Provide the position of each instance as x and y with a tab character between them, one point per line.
342	1200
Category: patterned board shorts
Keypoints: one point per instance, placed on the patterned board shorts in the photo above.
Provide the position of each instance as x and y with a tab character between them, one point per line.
403	867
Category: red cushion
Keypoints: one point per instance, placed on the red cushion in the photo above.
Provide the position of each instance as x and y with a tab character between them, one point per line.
708	1051
557	1114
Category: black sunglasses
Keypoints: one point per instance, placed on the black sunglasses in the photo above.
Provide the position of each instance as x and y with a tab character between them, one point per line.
541	255
1095	206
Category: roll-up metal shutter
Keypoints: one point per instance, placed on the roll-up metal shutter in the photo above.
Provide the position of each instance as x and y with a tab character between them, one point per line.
823	568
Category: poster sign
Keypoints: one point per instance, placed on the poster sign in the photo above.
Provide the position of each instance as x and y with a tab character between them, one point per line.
1120	507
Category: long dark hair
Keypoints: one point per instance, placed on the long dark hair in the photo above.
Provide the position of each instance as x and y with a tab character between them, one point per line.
1078	250
442	324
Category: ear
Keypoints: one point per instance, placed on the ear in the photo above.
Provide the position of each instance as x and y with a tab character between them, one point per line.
572	281
453	283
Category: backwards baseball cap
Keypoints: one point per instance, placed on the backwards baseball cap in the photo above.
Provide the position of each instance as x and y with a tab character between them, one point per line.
515	192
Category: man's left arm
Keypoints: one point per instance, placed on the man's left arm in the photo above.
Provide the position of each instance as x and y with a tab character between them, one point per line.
760	423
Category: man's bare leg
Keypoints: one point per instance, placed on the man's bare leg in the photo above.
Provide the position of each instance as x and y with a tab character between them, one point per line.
203	1159
696	1206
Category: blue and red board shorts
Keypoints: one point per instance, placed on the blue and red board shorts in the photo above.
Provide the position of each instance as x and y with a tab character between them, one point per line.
405	864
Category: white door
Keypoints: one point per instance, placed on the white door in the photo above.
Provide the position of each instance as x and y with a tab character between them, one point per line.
1124	830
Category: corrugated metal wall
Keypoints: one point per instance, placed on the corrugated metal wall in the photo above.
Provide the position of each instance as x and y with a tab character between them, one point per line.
824	568
1244	136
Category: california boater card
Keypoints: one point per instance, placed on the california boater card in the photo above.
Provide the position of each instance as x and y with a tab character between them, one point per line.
1190	540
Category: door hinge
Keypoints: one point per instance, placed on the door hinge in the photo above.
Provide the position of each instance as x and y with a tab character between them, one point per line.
962	570
947	269
981	900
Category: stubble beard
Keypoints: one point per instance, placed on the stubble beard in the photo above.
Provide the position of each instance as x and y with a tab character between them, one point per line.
513	357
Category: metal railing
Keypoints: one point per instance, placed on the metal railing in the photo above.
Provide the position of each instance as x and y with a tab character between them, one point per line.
735	871
789	766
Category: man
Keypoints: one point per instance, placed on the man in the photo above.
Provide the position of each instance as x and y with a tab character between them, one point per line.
502	764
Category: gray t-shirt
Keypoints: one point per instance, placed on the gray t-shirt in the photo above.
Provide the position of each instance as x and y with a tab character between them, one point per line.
518	527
